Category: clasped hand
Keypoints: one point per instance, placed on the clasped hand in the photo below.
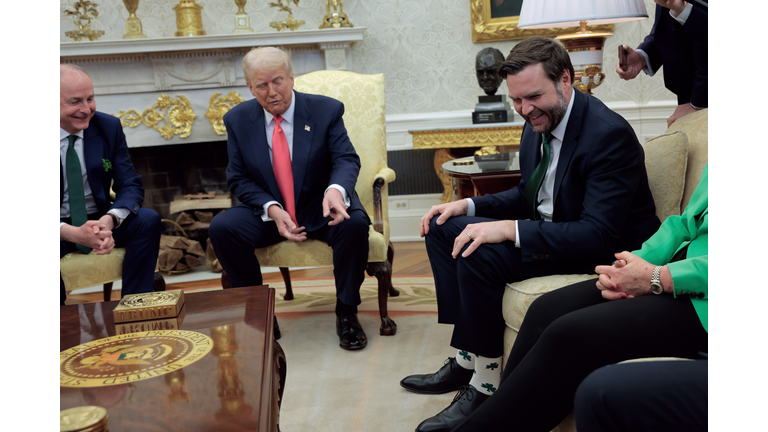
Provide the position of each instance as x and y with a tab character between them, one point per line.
628	277
97	235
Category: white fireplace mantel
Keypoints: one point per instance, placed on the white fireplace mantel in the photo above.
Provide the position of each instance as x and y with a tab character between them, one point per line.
131	75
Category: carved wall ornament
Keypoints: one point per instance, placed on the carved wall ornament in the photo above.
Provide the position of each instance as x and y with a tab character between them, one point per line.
83	12
289	23
219	106
177	114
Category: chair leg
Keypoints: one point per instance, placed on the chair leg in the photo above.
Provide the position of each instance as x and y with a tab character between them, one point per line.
287	279
108	291
225	283
393	292
383	273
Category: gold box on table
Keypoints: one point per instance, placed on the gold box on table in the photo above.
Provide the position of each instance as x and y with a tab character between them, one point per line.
149	306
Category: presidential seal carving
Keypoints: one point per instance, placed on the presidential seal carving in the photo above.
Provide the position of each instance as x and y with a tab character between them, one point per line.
150	299
131	357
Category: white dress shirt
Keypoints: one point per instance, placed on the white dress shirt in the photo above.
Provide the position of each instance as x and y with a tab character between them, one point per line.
545	198
287	126
90	202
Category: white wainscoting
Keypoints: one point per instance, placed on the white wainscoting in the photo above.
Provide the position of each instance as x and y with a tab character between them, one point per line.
405	211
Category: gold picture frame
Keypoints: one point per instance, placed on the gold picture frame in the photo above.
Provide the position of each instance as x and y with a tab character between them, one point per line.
487	28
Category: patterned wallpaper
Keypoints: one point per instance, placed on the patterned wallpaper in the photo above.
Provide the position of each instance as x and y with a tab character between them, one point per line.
423	47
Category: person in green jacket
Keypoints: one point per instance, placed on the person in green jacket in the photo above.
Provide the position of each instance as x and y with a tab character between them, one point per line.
651	302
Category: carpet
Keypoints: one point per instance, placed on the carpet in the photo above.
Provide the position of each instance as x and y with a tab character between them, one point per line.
417	294
332	390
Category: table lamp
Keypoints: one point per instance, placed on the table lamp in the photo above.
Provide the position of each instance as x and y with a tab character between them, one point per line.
584	47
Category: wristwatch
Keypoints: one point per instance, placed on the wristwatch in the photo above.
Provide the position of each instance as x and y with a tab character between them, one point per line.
656	287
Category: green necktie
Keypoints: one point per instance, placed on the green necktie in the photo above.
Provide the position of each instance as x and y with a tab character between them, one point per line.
537	178
76	191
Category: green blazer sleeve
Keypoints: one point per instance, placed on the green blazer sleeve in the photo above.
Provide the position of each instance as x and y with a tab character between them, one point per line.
691	275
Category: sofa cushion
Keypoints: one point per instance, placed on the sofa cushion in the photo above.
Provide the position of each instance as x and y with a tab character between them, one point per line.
518	296
696	127
666	160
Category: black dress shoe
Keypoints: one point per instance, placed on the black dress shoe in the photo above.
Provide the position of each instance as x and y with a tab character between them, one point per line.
351	334
276	329
465	402
448	378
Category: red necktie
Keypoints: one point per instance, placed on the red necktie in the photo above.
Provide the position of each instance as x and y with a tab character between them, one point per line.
281	164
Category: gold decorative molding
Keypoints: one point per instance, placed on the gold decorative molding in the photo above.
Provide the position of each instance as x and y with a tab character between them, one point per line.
485	28
475	137
220	106
177	114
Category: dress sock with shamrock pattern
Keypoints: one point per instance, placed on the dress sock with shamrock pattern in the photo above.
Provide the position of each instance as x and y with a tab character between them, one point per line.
465	359
487	374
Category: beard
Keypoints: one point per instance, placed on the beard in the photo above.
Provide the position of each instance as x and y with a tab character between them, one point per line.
555	114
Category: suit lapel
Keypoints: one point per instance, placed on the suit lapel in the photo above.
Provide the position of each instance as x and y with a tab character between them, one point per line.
260	147
93	148
303	130
572	133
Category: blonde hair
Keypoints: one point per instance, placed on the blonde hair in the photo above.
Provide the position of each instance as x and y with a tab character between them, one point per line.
269	58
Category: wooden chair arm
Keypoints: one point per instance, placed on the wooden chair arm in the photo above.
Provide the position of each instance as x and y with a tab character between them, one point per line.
384	176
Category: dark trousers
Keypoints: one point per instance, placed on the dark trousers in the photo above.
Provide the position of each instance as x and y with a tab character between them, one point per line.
470	290
139	234
237	232
567	334
659	396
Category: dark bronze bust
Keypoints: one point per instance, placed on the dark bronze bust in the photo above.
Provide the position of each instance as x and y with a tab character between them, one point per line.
487	64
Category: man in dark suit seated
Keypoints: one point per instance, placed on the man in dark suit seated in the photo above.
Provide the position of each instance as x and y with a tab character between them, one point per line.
584	194
293	168
94	158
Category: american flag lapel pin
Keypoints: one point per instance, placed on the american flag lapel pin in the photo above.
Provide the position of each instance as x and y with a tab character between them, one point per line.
307	128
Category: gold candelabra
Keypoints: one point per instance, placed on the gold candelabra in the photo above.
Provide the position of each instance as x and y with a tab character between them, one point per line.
334	15
289	23
83	12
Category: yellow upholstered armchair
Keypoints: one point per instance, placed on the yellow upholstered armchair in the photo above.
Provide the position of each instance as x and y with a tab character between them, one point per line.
82	271
364	118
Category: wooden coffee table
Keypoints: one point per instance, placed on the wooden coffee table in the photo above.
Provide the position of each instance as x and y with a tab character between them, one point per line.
237	386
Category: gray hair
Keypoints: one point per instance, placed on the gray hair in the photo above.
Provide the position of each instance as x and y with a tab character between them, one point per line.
270	58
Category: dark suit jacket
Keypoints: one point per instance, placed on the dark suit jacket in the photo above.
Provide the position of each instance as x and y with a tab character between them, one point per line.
103	145
684	60
602	200
322	155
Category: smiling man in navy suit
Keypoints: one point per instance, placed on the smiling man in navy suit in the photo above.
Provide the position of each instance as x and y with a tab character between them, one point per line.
294	170
584	194
94	158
